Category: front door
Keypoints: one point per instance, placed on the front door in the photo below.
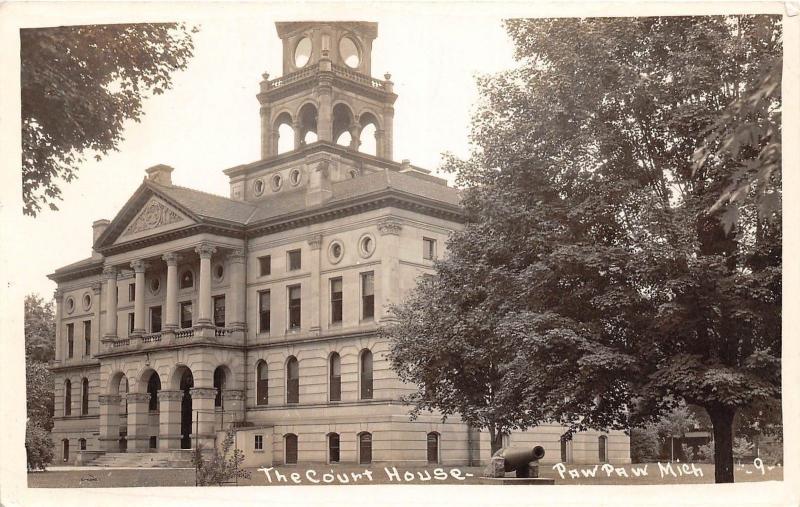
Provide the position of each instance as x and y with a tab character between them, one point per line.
187	382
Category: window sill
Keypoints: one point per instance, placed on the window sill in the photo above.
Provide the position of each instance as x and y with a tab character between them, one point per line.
258	451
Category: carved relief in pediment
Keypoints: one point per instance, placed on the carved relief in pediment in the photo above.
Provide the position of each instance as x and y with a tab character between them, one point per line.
152	216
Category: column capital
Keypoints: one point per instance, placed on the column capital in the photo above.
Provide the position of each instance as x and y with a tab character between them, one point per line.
57	295
315	242
390	226
205	251
171	258
170	395
138	266
97	287
109	399
237	255
232	394
138	397
203	392
109	272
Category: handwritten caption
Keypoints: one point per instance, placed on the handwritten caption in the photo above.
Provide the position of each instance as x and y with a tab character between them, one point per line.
663	469
392	474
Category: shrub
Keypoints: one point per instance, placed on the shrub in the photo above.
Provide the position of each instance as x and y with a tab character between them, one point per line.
38	447
220	468
644	445
705	453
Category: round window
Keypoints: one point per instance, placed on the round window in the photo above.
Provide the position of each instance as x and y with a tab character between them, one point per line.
277	181
155	284
349	52
366	245
70	305
294	176
335	251
258	187
87	301
219	272
302	53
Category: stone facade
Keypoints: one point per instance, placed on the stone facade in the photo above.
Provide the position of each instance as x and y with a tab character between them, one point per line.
196	313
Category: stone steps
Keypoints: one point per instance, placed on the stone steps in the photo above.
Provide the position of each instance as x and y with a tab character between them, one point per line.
171	459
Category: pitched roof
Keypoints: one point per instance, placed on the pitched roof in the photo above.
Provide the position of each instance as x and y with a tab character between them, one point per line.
85	263
205	205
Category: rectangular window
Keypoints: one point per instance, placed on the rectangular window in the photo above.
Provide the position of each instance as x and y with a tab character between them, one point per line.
219	311
87	337
294	260
263	311
264	265
132	292
336	300
367	295
186	314
155	319
130	323
258	445
294	307
70	340
428	248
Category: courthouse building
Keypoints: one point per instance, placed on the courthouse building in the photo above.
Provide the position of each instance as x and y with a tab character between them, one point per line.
259	311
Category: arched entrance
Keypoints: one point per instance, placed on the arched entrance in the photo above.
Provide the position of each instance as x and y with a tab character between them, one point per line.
186	384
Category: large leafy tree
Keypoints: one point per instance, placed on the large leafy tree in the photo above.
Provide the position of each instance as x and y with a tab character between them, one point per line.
39	349
612	272
79	85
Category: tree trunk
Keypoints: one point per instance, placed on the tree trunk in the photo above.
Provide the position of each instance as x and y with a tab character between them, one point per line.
496	438
722	421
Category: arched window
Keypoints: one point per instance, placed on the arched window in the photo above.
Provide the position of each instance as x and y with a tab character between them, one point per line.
366	374
290	442
292	381
82	444
219	385
67	397
153	386
368	140
65	450
262	383
433	448
333	448
335	377
85	396
602	448
564	449
187	279
285	139
364	448
123	388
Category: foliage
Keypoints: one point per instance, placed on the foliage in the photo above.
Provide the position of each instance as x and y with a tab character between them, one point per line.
38	446
742	448
220	468
39	390
688	453
653	440
40	329
79	85
590	278
705	453
645	445
772	455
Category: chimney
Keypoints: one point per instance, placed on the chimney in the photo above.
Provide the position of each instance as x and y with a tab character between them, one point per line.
161	174
98	228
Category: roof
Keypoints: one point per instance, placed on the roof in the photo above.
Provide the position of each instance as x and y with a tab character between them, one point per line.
205	205
85	263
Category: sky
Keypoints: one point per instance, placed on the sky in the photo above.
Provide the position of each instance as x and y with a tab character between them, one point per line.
209	120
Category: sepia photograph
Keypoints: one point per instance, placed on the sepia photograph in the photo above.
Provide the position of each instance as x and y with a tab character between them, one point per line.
298	248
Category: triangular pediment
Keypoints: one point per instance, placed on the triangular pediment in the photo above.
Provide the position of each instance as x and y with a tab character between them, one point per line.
156	216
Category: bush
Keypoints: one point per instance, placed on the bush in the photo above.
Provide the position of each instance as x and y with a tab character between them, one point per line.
644	445
220	469
705	453
772	455
38	447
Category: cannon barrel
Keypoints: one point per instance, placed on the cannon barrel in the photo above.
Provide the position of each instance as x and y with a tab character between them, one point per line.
517	458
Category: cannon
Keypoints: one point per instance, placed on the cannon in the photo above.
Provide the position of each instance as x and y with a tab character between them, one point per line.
524	461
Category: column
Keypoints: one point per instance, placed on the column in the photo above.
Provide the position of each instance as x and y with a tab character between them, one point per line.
169	422
110	274
97	288
325	91
203	415
138	420
234	314
58	295
390	266
388	133
316	289
355	136
298	134
109	421
171	310
266	131
205	252
138	306
380	146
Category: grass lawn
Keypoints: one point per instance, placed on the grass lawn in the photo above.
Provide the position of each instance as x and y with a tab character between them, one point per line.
95	477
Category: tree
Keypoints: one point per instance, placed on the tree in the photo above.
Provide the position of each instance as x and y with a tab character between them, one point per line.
621	292
40	329
39	345
220	468
79	85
